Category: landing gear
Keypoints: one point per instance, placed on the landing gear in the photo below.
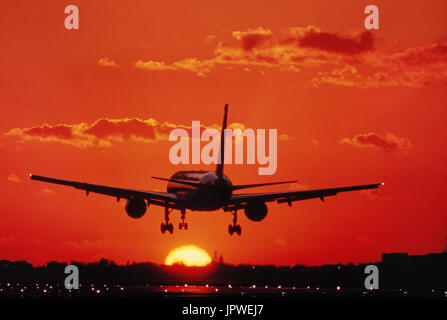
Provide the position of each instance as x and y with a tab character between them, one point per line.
234	228
167	226
183	224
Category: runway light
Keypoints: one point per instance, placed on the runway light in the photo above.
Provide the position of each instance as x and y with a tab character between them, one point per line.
206	285
338	288
266	287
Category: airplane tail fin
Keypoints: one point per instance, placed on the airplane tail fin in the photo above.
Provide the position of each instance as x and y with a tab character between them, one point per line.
221	159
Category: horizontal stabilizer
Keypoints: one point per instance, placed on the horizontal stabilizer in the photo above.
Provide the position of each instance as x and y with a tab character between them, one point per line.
188	183
245	186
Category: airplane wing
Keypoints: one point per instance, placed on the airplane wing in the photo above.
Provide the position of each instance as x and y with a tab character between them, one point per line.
158	198
240	201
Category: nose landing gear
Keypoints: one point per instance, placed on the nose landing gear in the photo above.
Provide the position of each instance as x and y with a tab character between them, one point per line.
183	224
234	228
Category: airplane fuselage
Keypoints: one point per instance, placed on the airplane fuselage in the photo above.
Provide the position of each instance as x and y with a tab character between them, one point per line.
216	192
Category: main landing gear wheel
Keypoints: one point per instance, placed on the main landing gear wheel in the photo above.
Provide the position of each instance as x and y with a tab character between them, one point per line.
167	226
234	228
183	224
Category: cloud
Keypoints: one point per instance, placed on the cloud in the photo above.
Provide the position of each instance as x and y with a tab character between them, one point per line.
106	62
106	132
103	132
252	38
153	65
429	55
261	47
387	142
199	67
323	57
332	42
414	67
13	178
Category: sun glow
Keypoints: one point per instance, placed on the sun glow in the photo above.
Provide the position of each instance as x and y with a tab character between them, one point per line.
189	255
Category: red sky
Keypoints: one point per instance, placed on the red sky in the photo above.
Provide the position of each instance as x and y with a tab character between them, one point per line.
356	107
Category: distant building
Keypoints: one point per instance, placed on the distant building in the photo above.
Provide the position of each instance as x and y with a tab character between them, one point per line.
400	270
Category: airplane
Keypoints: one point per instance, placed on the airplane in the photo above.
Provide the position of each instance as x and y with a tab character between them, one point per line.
204	191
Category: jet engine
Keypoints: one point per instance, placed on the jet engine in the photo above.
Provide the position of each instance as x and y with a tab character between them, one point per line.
256	211
136	208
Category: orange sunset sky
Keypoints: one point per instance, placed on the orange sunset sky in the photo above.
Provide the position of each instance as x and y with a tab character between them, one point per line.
352	107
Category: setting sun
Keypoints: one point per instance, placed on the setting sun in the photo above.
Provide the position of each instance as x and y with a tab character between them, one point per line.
189	255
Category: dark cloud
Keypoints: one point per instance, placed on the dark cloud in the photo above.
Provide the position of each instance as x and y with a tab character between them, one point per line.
60	131
331	42
433	54
124	128
252	38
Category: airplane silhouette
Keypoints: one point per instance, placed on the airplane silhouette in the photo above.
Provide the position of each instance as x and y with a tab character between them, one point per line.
204	191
